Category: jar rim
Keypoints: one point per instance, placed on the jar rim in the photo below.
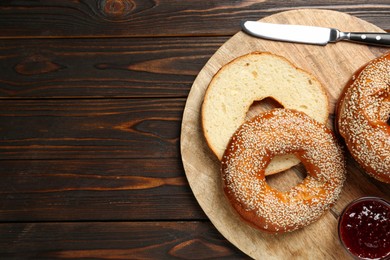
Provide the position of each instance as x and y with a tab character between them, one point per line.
347	207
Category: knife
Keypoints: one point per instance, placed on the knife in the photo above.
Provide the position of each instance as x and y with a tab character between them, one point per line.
311	34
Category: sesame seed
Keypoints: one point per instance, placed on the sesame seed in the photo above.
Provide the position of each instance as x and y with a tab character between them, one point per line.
362	118
256	142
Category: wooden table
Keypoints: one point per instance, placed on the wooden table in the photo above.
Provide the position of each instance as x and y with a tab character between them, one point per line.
92	96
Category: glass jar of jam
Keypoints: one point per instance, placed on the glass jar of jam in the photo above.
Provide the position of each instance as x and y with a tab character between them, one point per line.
364	228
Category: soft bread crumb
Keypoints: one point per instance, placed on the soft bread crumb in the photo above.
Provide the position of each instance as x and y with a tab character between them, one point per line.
254	77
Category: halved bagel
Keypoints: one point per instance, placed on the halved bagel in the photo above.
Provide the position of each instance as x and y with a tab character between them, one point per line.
254	77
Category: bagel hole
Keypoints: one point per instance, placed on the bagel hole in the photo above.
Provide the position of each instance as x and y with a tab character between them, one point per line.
260	106
286	180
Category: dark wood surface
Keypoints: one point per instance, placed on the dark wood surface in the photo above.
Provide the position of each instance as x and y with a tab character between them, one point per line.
91	100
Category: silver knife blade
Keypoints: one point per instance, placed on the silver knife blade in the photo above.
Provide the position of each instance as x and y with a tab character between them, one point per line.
291	33
311	34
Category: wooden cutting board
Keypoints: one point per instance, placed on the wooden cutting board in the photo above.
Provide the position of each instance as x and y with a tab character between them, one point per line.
333	65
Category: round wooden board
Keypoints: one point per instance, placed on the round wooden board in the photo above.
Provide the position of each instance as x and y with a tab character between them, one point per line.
333	65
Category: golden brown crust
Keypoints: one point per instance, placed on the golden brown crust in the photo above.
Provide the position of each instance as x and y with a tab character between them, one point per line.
361	117
282	131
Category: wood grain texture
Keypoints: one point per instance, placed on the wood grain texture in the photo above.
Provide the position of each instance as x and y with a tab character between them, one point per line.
95	68
118	240
135	18
98	128
91	99
99	190
333	65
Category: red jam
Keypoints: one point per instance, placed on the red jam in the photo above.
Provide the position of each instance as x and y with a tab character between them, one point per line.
364	228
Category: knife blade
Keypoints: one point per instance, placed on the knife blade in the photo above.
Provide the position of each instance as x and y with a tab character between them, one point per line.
311	34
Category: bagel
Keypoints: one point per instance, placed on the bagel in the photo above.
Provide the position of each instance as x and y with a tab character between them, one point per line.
254	77
282	131
362	116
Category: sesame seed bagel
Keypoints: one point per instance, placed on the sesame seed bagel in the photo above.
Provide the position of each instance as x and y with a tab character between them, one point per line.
282	131
254	77
362	115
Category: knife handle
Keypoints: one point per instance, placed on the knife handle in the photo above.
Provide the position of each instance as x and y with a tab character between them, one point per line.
370	38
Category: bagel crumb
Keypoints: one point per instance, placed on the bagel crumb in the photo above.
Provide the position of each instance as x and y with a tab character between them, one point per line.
255	77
